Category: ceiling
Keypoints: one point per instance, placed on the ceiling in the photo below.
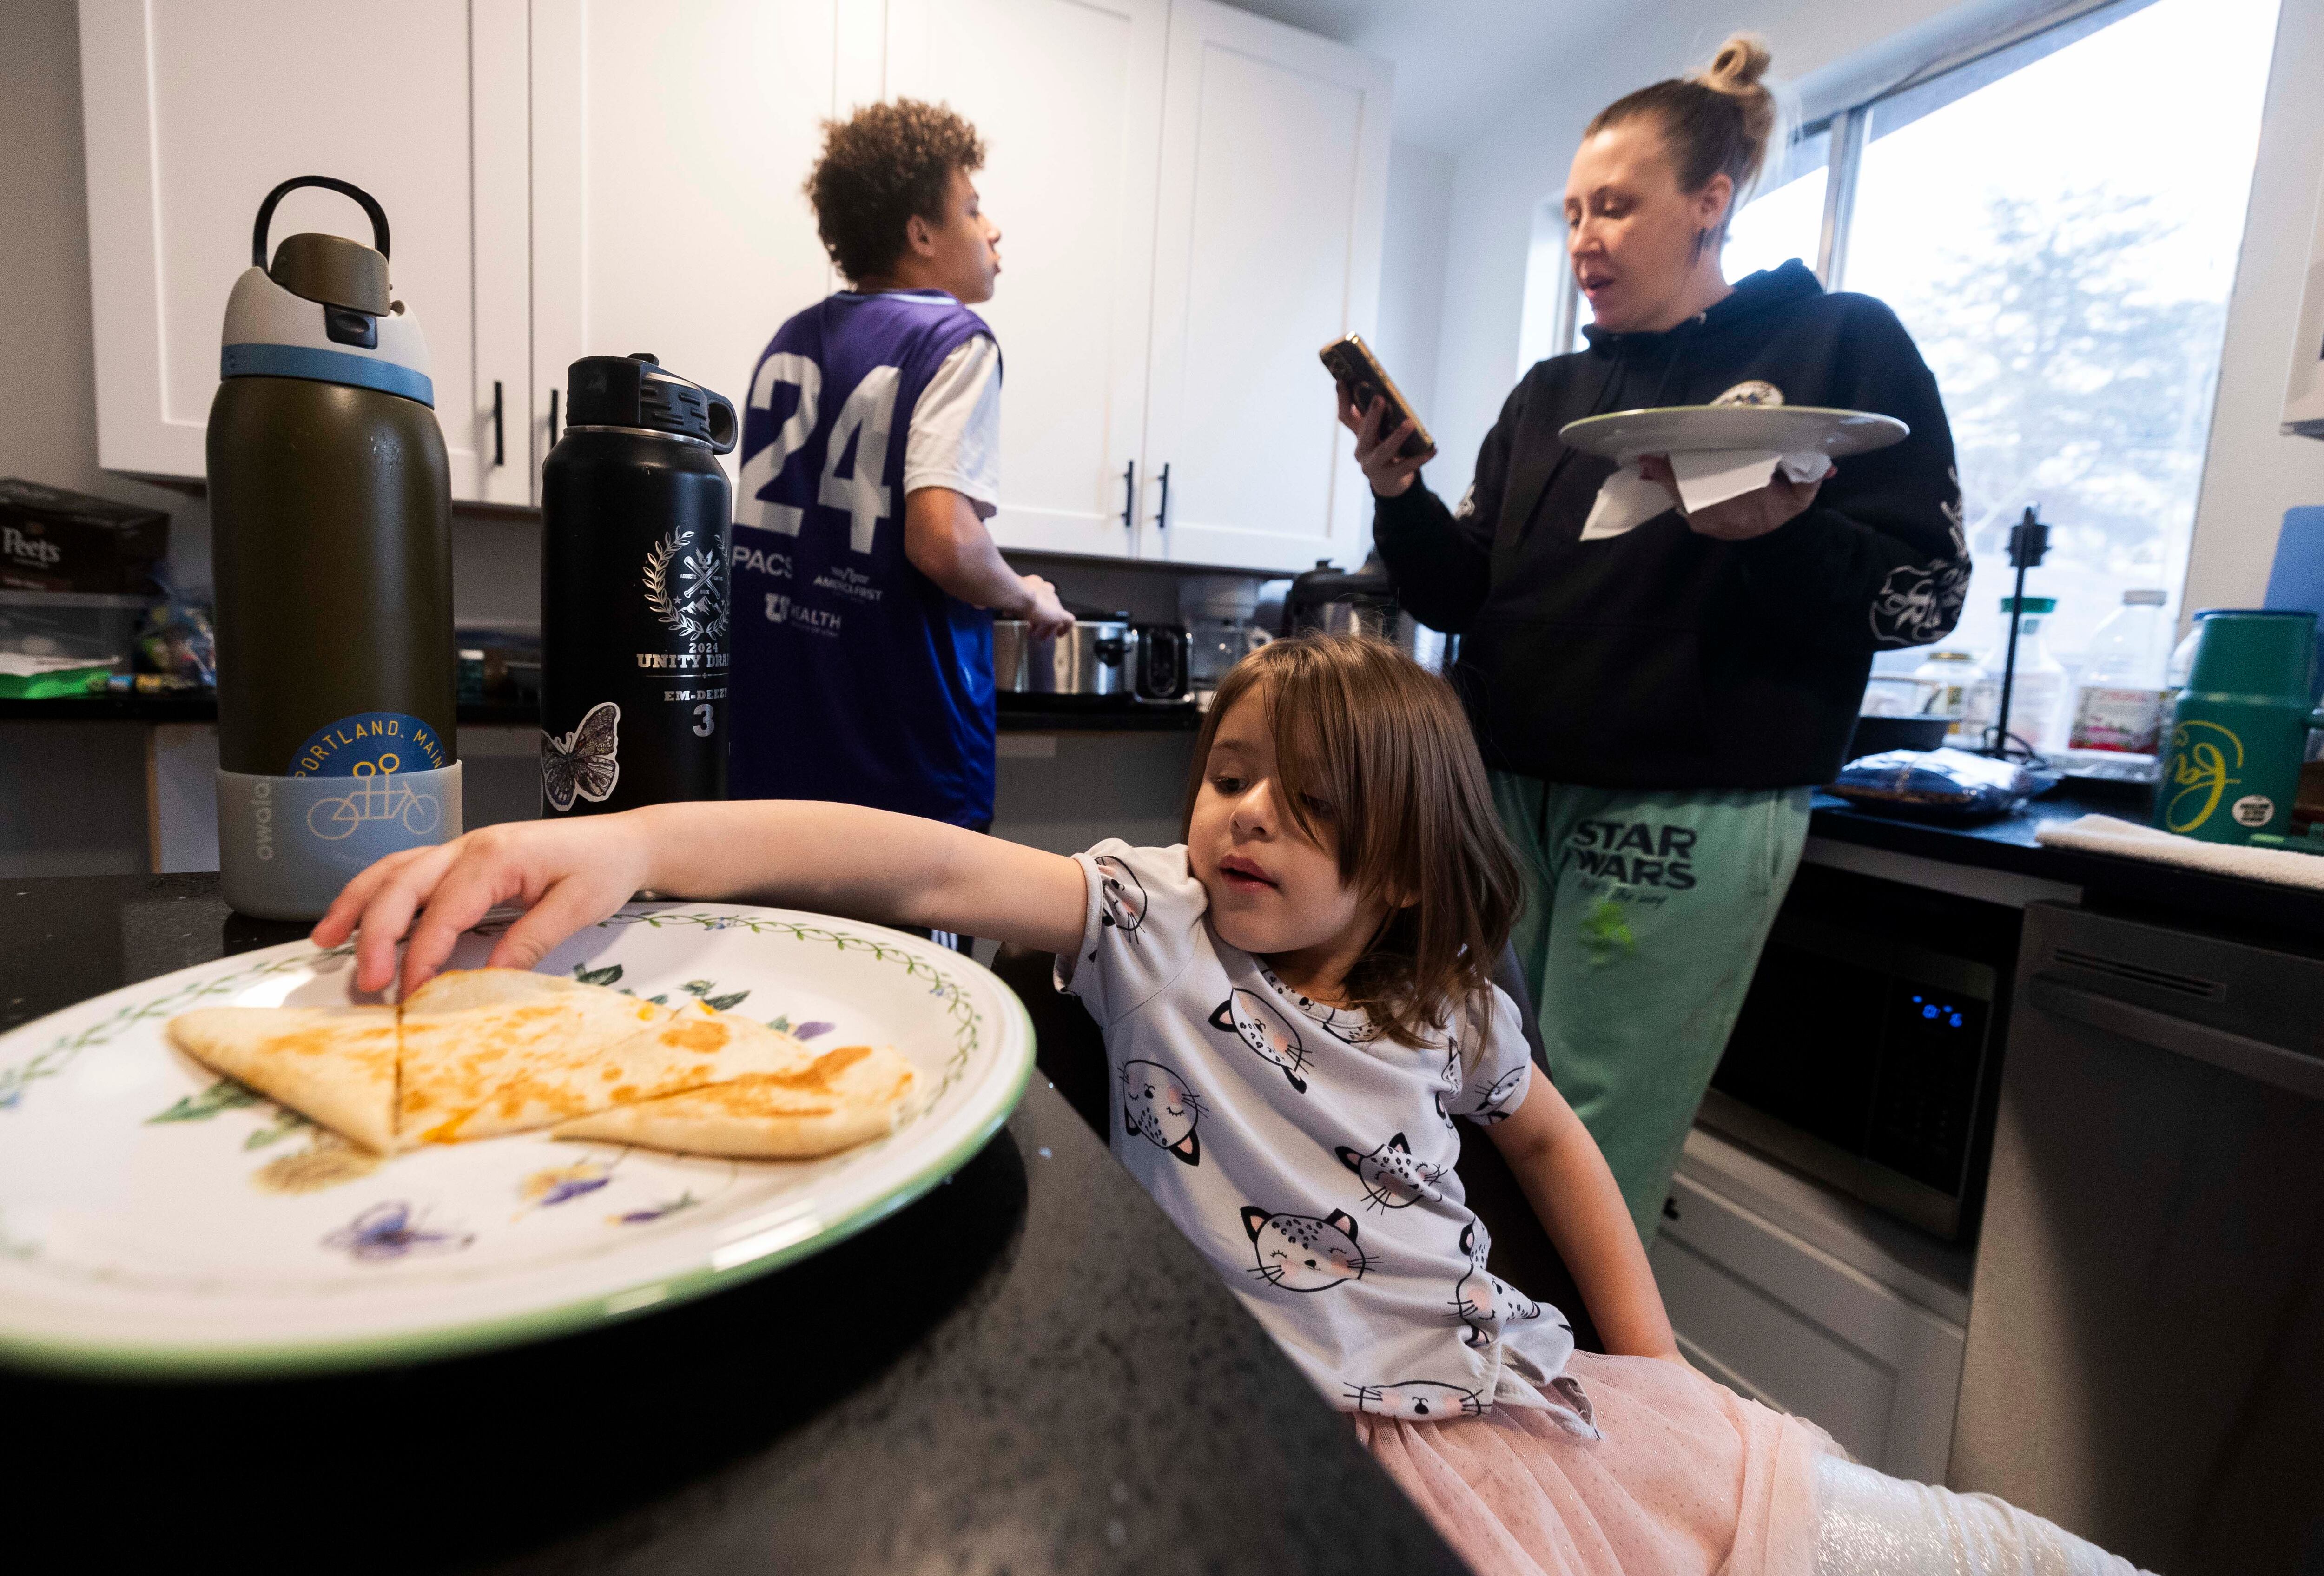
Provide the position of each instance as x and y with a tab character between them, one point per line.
1459	64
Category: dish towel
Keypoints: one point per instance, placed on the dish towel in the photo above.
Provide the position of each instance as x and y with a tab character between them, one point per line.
1705	478
2127	839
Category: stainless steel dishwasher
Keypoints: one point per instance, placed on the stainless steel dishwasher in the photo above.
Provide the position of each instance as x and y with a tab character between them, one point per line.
2146	1359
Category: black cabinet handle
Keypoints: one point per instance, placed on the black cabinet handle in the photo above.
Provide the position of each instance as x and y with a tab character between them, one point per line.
552	416
1130	495
500	446
1162	514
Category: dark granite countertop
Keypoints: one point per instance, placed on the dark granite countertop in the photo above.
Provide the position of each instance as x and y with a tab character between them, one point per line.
1026	1370
2261	911
1012	718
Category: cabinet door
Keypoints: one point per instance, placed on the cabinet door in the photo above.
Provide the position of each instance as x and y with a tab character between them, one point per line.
1068	96
669	144
1273	184
1773	1317
195	109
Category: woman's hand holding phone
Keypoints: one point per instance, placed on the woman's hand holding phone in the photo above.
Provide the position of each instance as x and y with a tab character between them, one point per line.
1380	454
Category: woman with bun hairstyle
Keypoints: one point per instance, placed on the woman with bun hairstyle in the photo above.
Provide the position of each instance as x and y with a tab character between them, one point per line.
1656	706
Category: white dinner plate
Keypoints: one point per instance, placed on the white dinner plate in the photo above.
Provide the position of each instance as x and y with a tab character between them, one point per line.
1625	435
155	1218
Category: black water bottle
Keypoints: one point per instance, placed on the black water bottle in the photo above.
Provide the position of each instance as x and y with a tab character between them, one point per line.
635	528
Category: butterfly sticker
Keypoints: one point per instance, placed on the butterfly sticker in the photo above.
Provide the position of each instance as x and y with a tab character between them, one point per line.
586	762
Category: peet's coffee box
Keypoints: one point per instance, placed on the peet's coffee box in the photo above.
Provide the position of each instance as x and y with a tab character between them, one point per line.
54	541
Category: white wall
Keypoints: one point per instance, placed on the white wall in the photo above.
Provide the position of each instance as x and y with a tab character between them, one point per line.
1498	182
1412	271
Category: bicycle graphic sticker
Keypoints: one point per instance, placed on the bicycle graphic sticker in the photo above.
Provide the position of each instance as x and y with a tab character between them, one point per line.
376	795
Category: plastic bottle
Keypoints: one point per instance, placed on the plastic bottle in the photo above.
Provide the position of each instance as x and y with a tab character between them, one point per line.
2037	697
1948	678
2119	704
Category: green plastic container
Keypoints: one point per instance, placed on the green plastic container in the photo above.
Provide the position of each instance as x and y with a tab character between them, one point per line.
2240	728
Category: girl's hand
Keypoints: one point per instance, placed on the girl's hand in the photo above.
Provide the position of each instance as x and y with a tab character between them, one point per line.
1381	455
565	874
1751	514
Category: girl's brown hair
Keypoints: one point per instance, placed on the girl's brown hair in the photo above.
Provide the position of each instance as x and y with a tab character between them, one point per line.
1382	744
1717	122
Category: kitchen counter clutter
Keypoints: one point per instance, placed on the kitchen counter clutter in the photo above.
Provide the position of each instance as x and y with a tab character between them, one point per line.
1022	1369
2009	845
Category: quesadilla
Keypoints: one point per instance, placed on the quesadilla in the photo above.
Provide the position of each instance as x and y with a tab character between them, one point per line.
492	1051
840	1098
334	1065
478	1053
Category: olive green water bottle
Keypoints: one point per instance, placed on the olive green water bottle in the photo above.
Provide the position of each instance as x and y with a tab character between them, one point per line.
330	508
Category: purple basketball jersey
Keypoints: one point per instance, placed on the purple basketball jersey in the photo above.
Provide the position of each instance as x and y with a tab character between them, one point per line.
856	678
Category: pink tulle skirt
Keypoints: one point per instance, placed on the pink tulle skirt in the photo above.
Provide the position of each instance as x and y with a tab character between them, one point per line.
1688	1478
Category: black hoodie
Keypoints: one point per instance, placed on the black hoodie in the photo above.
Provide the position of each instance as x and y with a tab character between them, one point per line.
1666	659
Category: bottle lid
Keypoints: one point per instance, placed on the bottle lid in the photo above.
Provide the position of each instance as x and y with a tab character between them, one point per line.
2032	604
1951	656
2148	598
635	391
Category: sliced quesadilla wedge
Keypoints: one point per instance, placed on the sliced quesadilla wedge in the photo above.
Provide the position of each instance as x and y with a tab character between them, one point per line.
840	1098
493	1051
334	1065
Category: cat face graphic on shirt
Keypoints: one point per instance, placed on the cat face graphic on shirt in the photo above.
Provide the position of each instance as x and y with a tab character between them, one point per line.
1393	1178
1419	1399
1300	1253
1482	1301
1121	896
1494	1106
1266	1031
1344	1024
1157	1106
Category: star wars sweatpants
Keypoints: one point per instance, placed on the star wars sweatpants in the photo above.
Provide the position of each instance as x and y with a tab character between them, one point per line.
1644	914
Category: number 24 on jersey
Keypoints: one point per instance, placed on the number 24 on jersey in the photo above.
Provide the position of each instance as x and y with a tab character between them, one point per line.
868	419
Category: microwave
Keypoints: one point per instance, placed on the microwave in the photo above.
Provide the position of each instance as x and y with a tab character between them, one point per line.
1867	1054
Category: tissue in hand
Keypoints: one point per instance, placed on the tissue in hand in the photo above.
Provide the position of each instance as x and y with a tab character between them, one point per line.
1706	477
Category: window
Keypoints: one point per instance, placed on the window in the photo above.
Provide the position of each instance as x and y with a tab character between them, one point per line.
2057	224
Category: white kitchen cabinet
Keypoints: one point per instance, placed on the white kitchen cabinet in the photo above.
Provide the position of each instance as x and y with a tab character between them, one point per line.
1068	96
1191	201
195	109
1274	188
1778	1317
668	146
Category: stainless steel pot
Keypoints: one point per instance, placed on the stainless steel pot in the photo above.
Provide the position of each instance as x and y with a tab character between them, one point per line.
1336	601
1104	656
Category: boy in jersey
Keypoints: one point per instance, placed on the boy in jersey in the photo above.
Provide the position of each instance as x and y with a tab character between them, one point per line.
864	579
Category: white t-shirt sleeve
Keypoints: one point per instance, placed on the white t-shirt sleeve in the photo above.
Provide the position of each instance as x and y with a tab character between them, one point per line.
1503	1070
954	439
1137	931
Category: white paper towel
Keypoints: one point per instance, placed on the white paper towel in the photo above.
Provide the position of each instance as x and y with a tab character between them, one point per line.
2129	840
1706	478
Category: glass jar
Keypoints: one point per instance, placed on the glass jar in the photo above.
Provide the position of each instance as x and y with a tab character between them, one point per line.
1949	678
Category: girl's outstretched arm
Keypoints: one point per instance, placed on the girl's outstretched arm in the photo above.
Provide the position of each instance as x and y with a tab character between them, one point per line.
1566	1181
900	869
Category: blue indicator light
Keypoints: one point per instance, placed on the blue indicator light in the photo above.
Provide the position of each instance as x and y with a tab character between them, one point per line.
1928	1012
1956	1020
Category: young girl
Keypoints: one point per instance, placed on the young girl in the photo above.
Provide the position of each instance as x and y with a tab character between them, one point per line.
1297	1008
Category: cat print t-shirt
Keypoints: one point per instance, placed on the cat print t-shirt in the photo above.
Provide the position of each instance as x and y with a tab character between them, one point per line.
1310	1157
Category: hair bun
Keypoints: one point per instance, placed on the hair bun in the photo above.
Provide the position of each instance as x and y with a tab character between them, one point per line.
1739	65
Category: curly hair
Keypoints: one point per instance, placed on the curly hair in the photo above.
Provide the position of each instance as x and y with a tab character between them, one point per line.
880	166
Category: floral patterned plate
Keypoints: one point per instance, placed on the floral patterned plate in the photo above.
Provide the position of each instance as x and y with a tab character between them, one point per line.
154	1219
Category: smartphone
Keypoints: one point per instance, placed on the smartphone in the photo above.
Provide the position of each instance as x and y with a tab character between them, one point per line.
1351	361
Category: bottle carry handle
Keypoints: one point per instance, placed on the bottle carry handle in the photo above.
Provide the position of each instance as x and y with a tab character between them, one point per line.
377	215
